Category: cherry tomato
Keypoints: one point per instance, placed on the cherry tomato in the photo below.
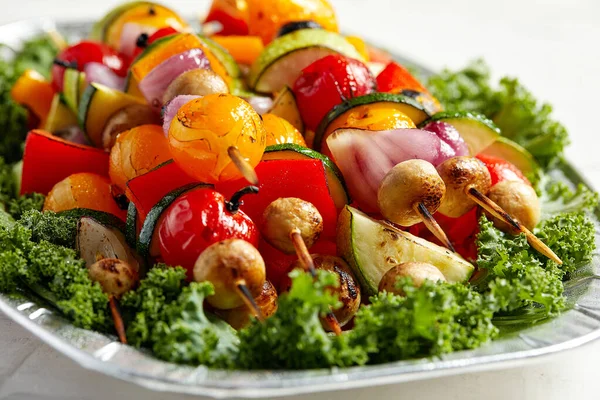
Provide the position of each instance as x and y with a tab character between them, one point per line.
141	44
196	220
86	52
204	129
395	78
231	14
502	170
280	131
136	152
83	190
328	82
266	17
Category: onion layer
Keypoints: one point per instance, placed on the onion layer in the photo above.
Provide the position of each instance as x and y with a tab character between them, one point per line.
100	73
170	109
364	157
129	36
156	82
261	104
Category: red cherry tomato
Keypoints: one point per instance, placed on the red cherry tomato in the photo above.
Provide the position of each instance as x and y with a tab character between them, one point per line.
196	220
161	33
86	52
502	170
395	78
328	82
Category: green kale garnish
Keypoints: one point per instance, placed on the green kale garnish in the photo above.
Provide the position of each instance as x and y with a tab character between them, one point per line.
144	307
433	319
7	184
515	275
29	202
511	106
50	227
188	335
294	338
557	197
572	236
54	273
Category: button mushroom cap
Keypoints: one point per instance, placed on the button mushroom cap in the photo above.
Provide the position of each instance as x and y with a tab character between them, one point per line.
286	214
348	291
239	317
519	200
115	276
460	174
226	264
407	184
125	119
417	271
200	82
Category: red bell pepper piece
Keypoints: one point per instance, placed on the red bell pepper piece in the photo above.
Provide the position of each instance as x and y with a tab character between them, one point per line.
304	179
147	190
49	159
395	78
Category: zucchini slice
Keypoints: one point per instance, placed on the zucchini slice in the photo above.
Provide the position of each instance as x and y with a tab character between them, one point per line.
476	130
512	152
409	106
371	248
60	116
97	105
335	179
102	217
131	225
283	59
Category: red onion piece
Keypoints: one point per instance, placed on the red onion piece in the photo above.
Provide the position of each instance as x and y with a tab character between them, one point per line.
156	82
170	109
129	36
364	157
261	104
452	142
100	73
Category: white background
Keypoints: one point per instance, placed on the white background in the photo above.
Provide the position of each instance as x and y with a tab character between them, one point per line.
552	45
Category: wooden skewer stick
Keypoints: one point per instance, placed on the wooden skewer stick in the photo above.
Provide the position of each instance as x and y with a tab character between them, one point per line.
117	318
302	251
307	261
242	165
497	211
433	225
246	296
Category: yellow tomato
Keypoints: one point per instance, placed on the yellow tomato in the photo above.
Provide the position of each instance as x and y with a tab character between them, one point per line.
205	128
136	152
266	17
380	116
280	131
83	190
151	15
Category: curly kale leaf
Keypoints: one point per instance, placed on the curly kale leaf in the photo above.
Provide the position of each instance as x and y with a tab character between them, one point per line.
433	319
294	338
144	307
518	114
51	227
189	335
557	197
572	236
55	273
512	273
28	202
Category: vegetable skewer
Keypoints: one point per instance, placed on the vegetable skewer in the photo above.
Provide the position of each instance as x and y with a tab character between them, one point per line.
467	179
242	165
116	277
410	193
293	225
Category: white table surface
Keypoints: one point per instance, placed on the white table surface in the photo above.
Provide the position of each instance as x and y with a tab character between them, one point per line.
552	45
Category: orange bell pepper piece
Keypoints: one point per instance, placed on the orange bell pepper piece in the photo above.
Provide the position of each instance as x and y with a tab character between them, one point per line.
33	91
244	49
359	45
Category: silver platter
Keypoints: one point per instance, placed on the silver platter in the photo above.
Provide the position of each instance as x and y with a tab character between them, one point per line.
573	328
